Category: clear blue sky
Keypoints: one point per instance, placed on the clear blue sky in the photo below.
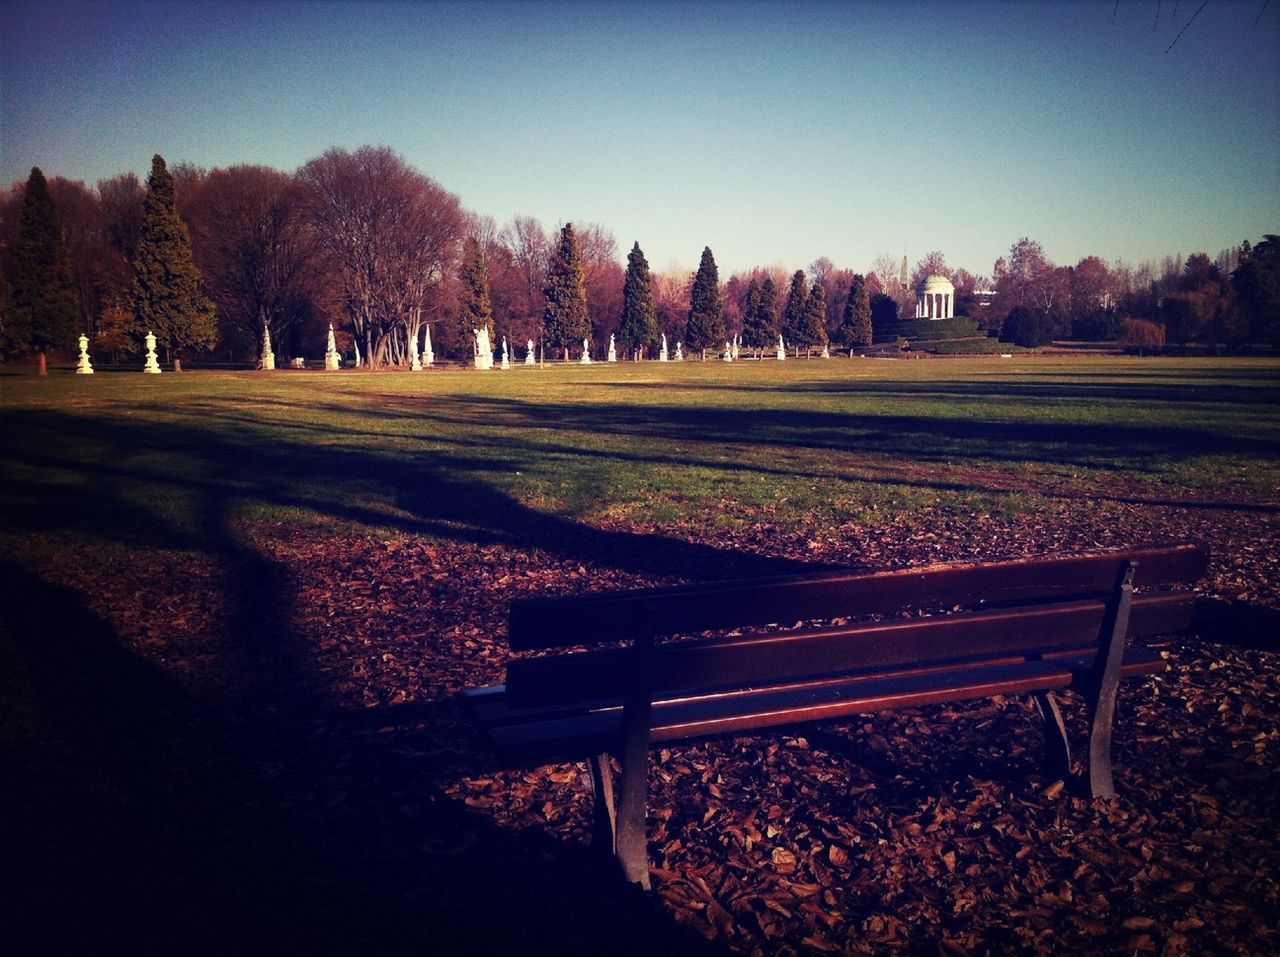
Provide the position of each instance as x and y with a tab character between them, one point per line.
775	133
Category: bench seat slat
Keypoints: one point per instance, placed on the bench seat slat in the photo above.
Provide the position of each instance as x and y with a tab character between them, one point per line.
490	707
728	712
1041	629
545	623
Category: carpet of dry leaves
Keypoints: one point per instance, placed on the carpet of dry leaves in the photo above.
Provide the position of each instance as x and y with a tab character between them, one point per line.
258	749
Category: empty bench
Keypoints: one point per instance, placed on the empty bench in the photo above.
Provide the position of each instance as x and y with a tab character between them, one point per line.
939	633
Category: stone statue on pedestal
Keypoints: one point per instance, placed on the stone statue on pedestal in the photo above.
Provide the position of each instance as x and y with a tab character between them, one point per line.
151	365
268	358
331	359
83	366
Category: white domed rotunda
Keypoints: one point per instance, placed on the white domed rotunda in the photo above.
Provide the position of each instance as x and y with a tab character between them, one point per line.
936	298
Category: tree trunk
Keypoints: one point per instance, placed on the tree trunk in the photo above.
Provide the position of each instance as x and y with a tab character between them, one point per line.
42	364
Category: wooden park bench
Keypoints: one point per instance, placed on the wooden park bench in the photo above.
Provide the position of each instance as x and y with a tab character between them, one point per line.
924	635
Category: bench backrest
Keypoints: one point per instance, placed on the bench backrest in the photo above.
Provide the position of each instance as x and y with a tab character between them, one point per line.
1037	605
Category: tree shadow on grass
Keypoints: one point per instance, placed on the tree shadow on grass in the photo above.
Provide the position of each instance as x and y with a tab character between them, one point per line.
157	812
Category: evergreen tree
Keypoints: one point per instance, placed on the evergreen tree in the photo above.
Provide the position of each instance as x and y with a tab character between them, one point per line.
564	317
751	315
474	309
638	328
45	304
793	321
168	294
1257	286
705	327
855	325
815	315
884	311
767	318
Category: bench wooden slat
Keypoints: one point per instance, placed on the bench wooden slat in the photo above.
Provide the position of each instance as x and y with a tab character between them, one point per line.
547	623
490	706
747	710
739	660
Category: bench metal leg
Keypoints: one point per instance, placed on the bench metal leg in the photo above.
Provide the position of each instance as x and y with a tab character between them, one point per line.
603	809
1057	747
630	837
1105	685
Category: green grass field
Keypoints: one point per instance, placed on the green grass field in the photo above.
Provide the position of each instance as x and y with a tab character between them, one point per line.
805	444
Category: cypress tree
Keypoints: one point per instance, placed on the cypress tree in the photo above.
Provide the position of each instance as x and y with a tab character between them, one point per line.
168	298
564	316
474	309
855	325
814	317
705	327
793	321
639	326
45	304
767	319
751	315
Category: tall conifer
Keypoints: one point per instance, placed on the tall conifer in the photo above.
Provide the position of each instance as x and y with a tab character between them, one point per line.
814	318
565	320
705	327
168	294
474	308
45	304
639	326
751	315
793	323
855	325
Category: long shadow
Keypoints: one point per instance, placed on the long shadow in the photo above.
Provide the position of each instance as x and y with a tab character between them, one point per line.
1164	388
915	437
157	814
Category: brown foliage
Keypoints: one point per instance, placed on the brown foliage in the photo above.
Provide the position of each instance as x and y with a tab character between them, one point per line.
273	733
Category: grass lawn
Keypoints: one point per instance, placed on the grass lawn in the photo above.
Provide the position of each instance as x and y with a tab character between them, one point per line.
805	444
238	607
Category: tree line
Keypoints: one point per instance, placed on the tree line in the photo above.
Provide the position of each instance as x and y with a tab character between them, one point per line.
211	261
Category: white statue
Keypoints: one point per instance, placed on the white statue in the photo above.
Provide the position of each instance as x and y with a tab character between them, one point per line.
662	356
727	355
428	356
613	349
83	366
782	349
268	358
529	359
586	353
737	345
826	353
483	348
151	365
679	352
331	359
506	355
415	363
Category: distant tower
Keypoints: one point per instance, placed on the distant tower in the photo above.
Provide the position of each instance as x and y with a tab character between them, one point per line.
903	275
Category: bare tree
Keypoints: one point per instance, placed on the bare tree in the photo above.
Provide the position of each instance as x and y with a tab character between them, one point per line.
391	233
258	257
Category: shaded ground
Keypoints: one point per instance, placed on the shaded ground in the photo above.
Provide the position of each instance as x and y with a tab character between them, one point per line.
256	748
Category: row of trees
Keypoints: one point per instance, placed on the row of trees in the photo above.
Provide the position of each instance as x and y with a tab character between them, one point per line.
208	260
